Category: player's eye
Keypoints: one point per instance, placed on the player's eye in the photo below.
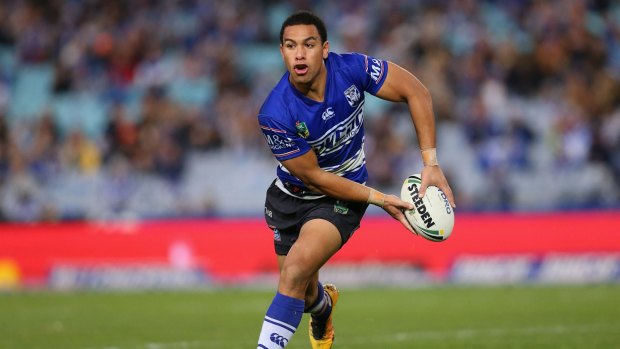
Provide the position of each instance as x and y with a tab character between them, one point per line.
289	46
310	45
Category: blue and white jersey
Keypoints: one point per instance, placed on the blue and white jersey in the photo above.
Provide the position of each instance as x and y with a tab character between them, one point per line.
334	129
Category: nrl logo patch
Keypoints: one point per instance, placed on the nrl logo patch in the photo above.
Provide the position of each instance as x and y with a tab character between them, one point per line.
353	95
302	129
340	207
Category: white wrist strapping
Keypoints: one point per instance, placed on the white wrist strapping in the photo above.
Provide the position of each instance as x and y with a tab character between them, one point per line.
429	157
376	198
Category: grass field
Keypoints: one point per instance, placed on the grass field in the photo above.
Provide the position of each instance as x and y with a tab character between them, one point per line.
523	317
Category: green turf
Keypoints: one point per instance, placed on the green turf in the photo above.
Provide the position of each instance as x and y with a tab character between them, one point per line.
523	317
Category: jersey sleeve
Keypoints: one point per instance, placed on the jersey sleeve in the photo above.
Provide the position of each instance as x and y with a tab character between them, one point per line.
284	142
371	71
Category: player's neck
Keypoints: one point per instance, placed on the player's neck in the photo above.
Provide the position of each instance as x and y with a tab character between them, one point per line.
314	89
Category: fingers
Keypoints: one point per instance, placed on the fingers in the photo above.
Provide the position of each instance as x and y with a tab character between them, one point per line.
432	175
395	201
446	190
428	176
401	218
423	188
395	206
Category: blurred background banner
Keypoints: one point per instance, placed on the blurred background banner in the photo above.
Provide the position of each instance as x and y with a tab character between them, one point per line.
488	249
144	112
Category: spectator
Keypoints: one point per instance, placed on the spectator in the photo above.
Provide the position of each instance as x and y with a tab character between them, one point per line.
521	86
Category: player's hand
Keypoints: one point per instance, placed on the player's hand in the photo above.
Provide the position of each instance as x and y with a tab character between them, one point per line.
395	206
433	175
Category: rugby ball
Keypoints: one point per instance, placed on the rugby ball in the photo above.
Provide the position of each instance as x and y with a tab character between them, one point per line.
432	216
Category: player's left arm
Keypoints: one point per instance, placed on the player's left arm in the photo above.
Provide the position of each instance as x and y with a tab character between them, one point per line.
402	86
306	168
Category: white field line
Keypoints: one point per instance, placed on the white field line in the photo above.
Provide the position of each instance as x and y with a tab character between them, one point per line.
397	337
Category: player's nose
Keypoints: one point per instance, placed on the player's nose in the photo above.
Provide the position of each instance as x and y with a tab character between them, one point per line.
300	53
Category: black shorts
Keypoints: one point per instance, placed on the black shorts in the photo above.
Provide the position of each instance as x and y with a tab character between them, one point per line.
286	214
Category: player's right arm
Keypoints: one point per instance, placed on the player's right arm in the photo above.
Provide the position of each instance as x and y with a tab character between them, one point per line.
402	86
306	168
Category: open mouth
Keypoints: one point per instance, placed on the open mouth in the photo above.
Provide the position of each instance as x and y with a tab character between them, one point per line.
300	69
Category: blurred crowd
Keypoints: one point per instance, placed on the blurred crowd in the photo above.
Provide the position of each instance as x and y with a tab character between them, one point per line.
131	109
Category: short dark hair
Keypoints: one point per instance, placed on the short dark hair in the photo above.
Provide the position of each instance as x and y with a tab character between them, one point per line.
304	17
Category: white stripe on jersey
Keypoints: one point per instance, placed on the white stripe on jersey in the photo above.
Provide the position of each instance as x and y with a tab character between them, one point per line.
353	114
350	165
339	135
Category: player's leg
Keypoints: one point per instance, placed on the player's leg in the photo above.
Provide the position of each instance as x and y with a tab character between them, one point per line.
312	291
321	330
319	300
317	242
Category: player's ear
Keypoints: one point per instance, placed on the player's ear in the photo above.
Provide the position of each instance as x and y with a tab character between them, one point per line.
325	49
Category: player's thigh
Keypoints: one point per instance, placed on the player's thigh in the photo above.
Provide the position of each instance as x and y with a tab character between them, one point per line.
318	240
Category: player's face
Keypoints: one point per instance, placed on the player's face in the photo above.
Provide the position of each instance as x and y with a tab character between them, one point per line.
303	53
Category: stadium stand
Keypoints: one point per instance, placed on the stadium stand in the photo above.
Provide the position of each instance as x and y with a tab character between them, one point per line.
112	109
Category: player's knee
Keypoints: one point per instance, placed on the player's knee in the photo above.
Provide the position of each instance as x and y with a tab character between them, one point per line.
295	276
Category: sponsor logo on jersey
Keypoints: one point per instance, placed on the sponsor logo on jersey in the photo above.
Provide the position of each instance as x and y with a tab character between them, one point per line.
374	68
328	114
278	142
339	135
302	129
353	95
278	339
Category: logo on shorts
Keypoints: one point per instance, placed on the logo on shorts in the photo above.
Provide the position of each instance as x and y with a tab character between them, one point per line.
276	235
268	213
339	207
302	129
